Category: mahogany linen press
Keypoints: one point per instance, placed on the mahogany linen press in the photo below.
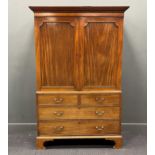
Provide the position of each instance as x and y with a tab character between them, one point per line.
78	72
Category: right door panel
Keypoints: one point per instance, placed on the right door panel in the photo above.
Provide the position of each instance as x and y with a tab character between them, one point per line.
101	56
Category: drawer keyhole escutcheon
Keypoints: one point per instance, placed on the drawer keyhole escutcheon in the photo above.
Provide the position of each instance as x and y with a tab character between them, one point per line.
99	113
59	128
58	100
58	113
99	99
99	128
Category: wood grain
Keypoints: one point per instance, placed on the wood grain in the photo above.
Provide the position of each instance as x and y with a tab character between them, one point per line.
116	138
118	141
80	92
58	99
85	127
86	99
79	9
56	60
78	72
101	55
78	56
51	14
50	113
100	100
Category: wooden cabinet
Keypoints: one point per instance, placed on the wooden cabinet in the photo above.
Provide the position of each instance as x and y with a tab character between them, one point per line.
78	68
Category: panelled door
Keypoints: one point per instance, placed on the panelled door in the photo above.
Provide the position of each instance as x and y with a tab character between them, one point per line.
78	53
56	52
102	53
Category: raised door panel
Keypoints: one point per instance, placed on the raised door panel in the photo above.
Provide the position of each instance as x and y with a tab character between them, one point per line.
102	56
56	54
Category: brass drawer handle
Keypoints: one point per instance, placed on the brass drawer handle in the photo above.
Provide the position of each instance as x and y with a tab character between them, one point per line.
59	128
58	100
99	128
58	113
99	113
99	99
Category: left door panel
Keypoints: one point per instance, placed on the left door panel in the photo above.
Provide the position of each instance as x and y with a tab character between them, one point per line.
56	41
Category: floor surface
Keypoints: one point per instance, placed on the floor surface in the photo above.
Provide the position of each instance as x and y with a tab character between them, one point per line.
22	142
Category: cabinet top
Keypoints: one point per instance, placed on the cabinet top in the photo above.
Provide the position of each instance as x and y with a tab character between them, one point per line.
67	9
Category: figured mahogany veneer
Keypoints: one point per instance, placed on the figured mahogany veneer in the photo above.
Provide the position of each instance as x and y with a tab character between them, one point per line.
59	99
76	99
77	128
101	100
50	113
78	70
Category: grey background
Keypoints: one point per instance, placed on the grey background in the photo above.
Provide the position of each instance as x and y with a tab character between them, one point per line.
22	58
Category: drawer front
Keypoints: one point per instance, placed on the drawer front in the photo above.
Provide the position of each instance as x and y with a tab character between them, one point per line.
48	113
85	127
101	100
57	99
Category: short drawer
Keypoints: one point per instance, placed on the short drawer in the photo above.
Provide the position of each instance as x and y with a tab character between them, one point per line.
84	127
101	99
57	99
49	113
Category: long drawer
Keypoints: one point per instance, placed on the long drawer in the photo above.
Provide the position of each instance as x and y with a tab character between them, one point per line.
48	113
84	127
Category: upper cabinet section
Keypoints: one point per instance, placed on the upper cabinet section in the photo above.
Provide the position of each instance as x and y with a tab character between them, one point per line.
78	48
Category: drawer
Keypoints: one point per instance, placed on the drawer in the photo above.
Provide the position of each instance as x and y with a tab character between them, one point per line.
84	127
57	99
49	113
100	99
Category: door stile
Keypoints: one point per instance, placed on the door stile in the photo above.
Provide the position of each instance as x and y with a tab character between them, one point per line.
37	23
79	55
